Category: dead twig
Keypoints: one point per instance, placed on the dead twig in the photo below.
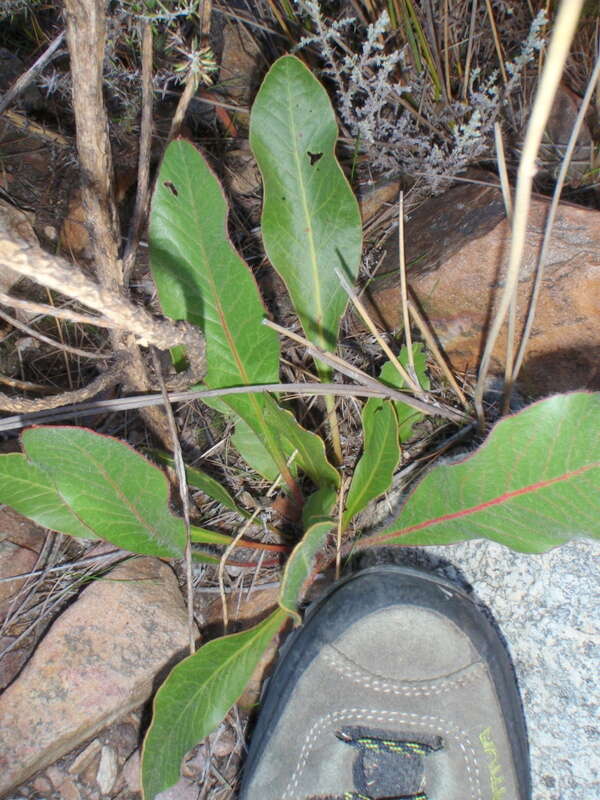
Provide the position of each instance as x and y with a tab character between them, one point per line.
27	77
185	500
110	377
375	389
52	342
86	36
143	177
56	273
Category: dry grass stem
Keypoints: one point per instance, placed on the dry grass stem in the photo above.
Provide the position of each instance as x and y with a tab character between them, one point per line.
497	45
403	290
66	348
592	84
357	303
562	36
228	551
435	351
184	496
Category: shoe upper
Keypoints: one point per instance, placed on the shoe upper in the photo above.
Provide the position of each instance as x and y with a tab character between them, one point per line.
395	702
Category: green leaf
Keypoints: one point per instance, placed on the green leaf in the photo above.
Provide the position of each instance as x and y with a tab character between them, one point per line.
199	479
205	536
318	506
31	491
532	485
252	449
381	453
83	484
310	222
407	416
201	278
310	448
300	565
195	698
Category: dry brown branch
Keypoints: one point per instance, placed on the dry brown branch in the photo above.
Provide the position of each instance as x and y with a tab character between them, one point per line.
52	342
23	123
110	377
86	35
143	178
27	77
52	311
58	274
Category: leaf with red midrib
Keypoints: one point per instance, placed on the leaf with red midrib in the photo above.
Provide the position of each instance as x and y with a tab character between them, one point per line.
534	484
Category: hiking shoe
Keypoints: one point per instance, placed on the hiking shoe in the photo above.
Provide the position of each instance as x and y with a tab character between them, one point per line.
395	687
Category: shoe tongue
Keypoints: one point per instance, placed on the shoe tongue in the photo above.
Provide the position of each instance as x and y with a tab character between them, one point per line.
388	764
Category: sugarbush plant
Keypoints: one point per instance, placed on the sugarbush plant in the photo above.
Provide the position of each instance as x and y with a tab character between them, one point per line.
532	485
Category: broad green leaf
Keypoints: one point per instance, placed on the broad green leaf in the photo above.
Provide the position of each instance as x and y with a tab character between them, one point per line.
199	479
381	453
310	222
31	491
290	436
201	278
318	506
310	448
252	449
532	485
407	416
300	565
112	491
196	696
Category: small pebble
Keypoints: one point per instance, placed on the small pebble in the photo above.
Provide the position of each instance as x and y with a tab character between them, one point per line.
131	772
42	785
107	771
81	761
224	743
56	776
69	791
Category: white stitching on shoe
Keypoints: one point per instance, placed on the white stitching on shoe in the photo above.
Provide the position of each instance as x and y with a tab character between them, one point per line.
344	666
436	724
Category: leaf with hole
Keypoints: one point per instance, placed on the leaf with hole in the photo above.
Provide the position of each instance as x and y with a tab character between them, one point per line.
310	222
84	484
196	696
201	278
381	453
532	485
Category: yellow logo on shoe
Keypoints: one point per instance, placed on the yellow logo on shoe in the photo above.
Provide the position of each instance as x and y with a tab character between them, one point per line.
497	783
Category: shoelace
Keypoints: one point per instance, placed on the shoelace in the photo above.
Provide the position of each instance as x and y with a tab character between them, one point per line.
384	758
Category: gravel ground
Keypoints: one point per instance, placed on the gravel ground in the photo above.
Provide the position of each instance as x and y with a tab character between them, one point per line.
548	609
